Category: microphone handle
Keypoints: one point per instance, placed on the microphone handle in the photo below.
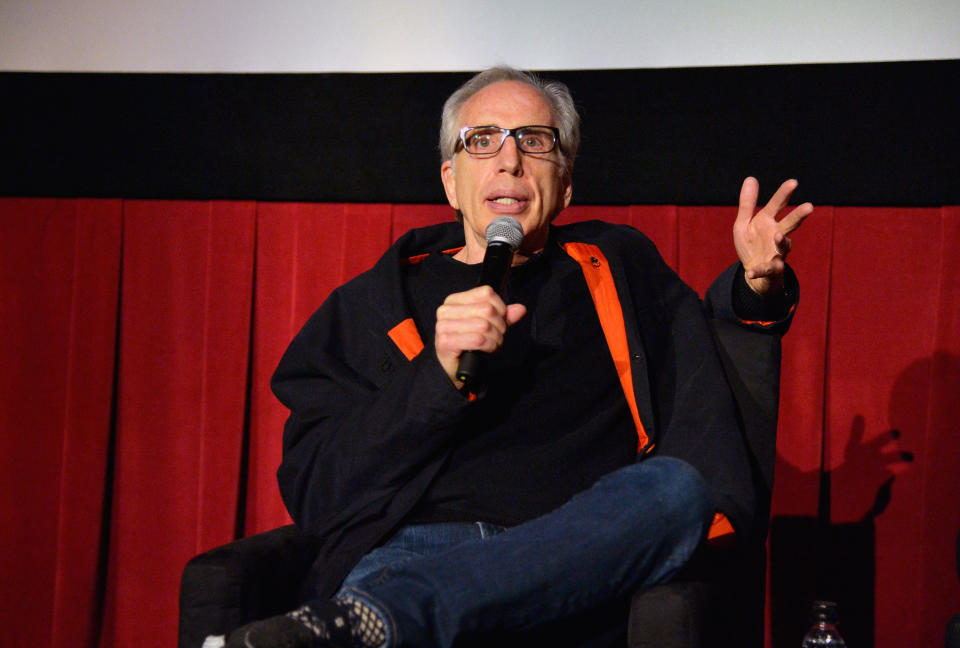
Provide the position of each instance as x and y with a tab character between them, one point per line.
496	266
471	370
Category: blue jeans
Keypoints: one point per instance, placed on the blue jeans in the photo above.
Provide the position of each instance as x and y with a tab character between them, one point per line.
633	529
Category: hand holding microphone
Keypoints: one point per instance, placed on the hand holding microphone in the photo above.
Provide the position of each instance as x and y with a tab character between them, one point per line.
476	320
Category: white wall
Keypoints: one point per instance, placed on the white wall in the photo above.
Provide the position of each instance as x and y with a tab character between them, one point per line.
438	35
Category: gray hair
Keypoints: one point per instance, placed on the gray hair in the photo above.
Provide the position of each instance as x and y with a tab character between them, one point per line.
556	94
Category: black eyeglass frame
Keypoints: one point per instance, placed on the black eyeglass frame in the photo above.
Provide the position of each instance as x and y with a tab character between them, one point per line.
507	132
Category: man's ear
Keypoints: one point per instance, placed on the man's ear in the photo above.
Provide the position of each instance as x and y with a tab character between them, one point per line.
448	177
567	191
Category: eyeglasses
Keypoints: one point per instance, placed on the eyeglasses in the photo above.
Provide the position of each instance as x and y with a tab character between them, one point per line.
484	141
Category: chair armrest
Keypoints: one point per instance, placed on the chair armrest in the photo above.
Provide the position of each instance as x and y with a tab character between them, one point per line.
668	616
716	600
245	580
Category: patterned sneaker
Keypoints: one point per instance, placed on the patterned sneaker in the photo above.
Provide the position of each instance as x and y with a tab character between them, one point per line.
322	624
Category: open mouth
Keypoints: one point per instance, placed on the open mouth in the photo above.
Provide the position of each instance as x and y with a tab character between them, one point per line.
508	204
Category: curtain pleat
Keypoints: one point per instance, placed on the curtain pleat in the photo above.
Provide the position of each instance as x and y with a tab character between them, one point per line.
939	496
138	426
88	406
59	269
883	319
184	344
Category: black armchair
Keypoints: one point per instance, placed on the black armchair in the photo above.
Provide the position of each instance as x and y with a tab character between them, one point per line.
717	601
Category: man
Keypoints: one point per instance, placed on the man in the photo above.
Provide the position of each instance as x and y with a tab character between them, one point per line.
599	454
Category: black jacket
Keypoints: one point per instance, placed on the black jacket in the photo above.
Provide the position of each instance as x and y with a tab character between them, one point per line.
372	419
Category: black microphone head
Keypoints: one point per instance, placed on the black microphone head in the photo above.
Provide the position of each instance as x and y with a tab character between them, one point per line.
505	230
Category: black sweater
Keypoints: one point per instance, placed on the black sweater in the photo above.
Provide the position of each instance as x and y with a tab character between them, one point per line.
553	418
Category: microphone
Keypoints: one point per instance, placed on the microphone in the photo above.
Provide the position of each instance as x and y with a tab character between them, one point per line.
504	236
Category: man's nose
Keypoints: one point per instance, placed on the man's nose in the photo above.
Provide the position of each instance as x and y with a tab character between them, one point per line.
510	158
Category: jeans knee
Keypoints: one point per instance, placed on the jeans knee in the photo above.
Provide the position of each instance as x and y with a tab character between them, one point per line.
680	489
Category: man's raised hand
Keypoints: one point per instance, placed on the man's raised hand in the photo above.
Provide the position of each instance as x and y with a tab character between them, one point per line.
761	240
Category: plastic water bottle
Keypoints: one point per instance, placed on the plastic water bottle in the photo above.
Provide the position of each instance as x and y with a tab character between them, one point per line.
824	631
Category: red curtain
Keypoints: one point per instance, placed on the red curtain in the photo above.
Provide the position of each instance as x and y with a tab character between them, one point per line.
138	428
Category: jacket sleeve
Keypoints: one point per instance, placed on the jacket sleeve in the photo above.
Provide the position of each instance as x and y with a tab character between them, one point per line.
703	427
729	298
697	413
693	410
366	426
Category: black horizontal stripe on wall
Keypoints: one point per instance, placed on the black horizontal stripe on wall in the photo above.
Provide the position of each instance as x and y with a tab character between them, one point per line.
857	134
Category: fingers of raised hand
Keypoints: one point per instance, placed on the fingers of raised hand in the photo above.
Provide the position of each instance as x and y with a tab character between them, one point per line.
782	244
748	200
781	198
795	218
